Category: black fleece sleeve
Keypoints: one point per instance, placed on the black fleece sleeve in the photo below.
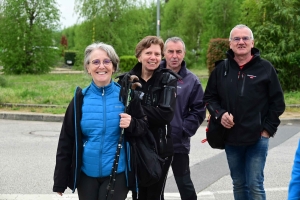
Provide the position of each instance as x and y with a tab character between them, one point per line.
211	95
276	104
163	114
64	151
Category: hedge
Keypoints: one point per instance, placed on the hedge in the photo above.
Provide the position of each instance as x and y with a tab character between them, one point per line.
216	51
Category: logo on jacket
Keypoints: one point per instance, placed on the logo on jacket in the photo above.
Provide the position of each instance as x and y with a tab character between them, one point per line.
251	76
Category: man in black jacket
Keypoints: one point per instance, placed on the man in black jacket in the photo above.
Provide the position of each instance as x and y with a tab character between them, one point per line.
255	101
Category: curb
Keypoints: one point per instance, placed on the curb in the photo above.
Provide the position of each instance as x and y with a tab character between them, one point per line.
32	117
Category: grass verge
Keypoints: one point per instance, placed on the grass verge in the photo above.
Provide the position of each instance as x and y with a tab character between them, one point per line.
58	90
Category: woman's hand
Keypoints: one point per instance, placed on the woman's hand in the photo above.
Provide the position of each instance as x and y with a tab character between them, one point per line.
125	120
60	193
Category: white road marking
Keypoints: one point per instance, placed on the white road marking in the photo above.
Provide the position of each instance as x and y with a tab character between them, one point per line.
205	195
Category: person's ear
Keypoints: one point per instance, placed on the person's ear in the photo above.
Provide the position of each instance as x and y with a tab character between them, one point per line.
88	71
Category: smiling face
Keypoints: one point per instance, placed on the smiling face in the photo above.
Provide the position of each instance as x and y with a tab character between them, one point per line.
100	67
241	42
150	58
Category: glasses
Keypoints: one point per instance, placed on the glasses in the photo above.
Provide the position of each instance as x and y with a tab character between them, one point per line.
237	39
97	62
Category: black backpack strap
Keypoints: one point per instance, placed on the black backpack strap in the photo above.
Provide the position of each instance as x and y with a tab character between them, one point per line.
226	70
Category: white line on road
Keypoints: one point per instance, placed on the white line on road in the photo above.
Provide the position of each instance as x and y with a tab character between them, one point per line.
204	195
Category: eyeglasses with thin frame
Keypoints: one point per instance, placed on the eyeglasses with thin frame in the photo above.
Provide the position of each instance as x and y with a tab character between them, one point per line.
237	39
97	62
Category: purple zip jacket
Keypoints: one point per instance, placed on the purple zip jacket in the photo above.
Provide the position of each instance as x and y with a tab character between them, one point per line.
190	109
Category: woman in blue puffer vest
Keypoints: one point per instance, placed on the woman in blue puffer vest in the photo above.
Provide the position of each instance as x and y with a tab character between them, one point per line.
91	130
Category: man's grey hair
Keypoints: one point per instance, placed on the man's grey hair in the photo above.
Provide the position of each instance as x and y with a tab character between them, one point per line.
241	26
174	39
113	56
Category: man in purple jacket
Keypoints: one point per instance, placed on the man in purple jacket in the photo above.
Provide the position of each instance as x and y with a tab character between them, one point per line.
189	114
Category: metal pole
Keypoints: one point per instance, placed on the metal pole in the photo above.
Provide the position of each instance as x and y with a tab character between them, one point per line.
158	18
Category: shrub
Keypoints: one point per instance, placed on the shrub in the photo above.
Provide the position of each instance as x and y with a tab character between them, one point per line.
127	63
216	51
288	68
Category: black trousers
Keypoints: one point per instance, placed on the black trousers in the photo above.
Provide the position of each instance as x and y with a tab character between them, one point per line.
90	188
155	191
182	175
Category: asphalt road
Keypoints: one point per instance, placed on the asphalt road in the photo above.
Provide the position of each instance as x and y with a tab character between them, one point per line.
28	148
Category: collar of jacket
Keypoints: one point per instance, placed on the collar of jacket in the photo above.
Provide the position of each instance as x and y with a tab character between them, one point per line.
254	51
182	72
137	70
108	89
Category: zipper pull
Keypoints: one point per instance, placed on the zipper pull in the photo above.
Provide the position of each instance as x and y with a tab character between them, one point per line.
166	133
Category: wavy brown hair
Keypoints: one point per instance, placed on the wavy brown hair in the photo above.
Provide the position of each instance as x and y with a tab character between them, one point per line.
146	42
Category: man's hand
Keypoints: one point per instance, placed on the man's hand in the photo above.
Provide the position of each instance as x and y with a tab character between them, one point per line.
265	133
227	120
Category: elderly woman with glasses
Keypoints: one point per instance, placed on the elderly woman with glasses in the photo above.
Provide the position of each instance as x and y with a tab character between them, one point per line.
90	133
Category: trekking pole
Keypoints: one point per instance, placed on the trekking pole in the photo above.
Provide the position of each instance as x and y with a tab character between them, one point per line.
126	98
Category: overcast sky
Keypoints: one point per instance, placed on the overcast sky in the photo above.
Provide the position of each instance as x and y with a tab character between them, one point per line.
68	16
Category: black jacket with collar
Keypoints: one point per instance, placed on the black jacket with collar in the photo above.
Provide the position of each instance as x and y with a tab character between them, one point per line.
255	98
158	103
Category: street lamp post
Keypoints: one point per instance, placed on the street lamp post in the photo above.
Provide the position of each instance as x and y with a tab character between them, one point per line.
158	18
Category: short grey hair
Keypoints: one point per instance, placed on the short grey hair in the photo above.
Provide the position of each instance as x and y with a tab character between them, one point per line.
113	56
241	26
174	39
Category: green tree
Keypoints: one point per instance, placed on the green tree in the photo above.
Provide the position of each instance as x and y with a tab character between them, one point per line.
70	34
278	40
219	17
170	20
123	31
102	14
251	13
183	19
192	30
136	22
27	36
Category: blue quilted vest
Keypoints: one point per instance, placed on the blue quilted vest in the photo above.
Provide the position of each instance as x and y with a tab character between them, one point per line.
101	131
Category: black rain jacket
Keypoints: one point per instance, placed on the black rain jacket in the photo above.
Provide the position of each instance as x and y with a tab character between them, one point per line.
158	103
255	98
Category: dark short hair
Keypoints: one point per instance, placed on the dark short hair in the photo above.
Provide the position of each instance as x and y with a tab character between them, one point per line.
146	42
